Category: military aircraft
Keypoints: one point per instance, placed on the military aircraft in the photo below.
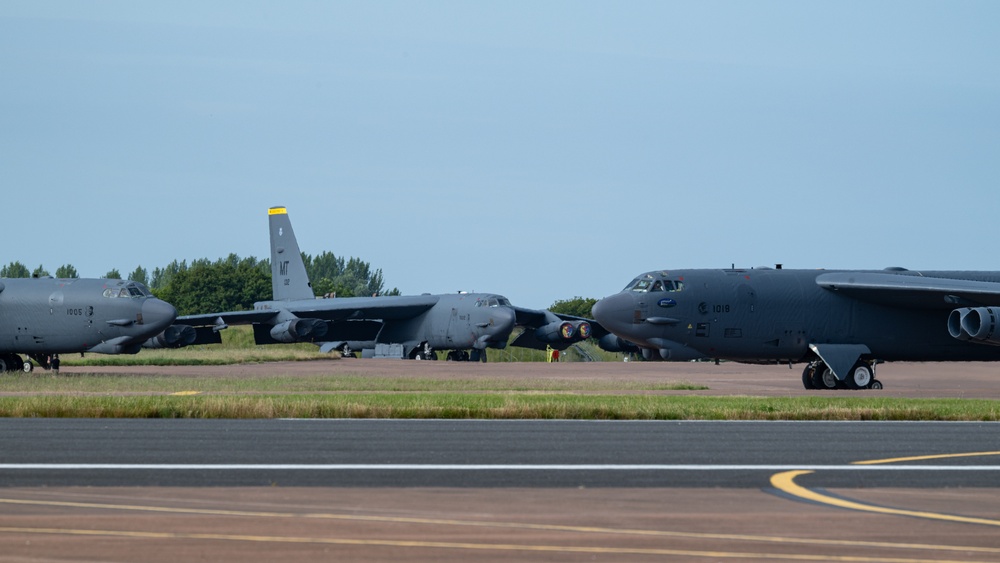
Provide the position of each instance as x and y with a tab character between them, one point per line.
413	326
840	323
45	317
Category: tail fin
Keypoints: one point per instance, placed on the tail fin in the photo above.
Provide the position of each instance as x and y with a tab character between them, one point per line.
289	279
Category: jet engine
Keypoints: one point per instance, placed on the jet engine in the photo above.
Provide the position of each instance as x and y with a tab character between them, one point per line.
611	343
174	336
299	330
563	332
975	324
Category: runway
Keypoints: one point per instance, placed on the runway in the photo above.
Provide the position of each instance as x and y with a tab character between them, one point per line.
453	490
476	453
376	490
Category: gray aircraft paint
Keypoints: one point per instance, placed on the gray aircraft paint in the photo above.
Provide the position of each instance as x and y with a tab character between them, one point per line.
459	322
44	317
832	319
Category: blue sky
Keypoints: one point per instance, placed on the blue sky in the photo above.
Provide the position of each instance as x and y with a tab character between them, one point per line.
542	150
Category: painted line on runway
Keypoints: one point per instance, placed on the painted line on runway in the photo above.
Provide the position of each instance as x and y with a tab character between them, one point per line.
476	467
466	546
925	457
597	530
785	482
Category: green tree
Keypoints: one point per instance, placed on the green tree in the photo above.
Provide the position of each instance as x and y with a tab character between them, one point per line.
113	274
66	271
40	272
162	276
577	306
139	275
15	270
228	284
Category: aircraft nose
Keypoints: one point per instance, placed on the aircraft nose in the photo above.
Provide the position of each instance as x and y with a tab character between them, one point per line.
614	312
157	314
503	323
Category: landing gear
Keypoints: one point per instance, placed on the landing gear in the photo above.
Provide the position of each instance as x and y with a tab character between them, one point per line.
346	352
13	362
425	353
807	376
466	356
861	376
817	375
828	379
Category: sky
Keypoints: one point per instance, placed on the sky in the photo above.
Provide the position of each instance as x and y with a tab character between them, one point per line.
540	150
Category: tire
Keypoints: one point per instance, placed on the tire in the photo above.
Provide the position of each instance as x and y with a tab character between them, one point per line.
28	366
3	364
860	376
829	379
807	377
875	384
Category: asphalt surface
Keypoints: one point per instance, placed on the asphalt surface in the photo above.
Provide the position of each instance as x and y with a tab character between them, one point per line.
475	453
363	490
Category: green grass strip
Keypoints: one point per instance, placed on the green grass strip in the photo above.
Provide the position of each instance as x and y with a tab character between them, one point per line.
499	406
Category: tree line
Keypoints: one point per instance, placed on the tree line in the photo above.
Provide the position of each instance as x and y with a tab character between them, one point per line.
235	284
232	283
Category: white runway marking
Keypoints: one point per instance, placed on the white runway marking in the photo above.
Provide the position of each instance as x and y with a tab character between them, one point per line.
480	467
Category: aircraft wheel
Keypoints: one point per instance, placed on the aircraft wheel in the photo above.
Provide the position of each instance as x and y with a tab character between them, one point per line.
28	366
860	376
807	376
828	379
3	364
875	384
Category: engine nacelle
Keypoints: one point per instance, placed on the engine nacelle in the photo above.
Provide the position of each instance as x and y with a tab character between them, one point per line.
174	336
563	332
975	324
299	330
612	343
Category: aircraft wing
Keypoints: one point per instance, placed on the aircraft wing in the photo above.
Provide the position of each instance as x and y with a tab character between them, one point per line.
391	308
228	318
343	309
909	290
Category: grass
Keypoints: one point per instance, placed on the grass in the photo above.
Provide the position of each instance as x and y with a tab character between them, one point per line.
497	406
354	396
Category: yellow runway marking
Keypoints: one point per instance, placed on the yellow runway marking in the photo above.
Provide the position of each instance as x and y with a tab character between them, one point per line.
509	525
785	482
185	393
924	458
470	546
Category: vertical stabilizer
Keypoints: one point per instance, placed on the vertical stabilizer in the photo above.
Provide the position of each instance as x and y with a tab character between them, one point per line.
289	279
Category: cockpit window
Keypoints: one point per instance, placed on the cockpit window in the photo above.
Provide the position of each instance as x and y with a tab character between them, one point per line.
131	291
493	302
646	284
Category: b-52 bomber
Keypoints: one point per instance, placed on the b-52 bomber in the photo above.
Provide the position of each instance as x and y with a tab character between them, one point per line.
45	317
414	326
840	323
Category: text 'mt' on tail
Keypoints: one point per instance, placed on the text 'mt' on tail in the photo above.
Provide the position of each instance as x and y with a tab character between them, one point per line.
289	279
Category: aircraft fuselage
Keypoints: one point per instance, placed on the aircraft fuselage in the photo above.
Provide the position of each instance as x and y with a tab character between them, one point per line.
55	316
776	315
